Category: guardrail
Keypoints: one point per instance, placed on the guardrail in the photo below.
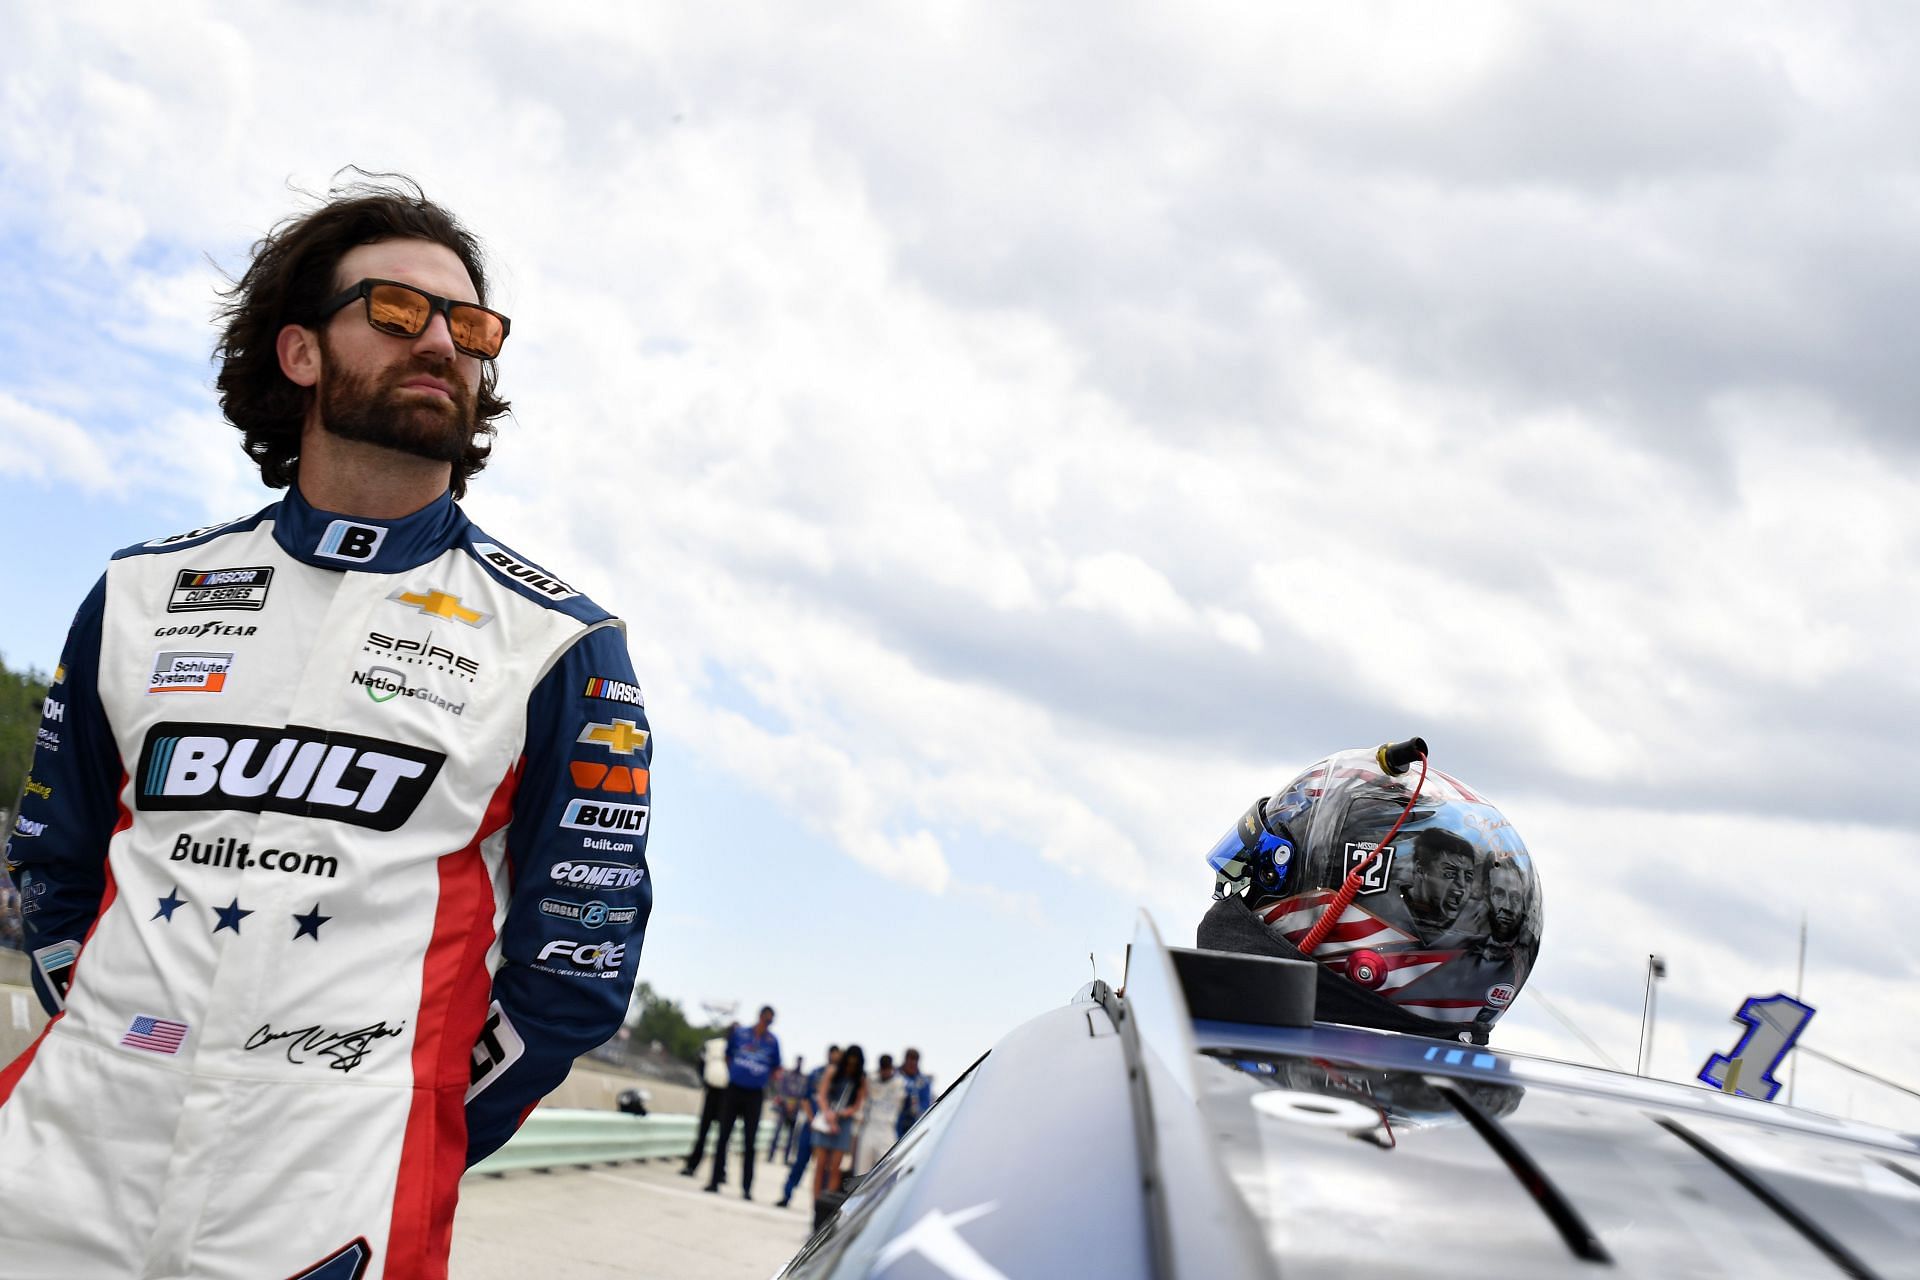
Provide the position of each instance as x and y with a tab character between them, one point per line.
553	1138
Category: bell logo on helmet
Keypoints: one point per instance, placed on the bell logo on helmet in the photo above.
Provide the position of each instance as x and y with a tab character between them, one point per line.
1500	995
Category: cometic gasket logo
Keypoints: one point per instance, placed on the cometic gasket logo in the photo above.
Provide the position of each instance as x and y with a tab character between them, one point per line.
364	782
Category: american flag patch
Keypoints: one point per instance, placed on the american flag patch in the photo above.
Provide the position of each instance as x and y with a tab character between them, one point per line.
156	1035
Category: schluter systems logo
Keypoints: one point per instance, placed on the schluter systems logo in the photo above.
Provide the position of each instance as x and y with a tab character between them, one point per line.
189	671
365	782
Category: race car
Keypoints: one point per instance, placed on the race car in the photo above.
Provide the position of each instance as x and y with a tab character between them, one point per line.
1204	1125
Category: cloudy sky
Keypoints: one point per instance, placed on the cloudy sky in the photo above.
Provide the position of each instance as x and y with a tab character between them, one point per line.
1020	435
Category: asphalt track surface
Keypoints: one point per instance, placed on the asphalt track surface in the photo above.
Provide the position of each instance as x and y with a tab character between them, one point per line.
637	1221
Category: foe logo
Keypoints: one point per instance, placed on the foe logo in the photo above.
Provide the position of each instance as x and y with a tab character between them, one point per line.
365	782
600	959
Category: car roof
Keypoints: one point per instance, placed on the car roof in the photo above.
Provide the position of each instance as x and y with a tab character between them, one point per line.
1363	1152
1198	1123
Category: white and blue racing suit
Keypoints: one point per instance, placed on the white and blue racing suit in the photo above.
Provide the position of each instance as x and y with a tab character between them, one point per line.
332	861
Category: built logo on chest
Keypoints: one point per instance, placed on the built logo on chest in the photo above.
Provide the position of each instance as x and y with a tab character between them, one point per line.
344	777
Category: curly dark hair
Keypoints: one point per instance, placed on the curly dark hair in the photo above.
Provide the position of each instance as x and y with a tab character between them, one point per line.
290	276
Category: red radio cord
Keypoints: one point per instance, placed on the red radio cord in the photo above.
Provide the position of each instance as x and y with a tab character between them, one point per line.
1351	885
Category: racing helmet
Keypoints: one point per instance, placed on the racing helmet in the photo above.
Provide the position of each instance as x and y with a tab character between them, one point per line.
1397	878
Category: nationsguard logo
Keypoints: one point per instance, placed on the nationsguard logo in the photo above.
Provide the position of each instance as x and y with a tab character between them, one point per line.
365	782
198	589
384	684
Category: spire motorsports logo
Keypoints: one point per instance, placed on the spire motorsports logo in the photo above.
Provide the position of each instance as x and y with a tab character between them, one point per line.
344	777
424	652
384	684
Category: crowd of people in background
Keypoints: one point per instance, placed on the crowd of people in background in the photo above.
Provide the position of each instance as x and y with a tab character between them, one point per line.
838	1119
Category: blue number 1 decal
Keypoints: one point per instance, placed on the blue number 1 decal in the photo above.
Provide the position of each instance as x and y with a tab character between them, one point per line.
1773	1024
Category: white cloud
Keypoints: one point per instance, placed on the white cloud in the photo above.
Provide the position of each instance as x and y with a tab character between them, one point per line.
1051	429
42	446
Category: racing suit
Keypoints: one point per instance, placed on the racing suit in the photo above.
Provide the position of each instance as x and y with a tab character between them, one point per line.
334	860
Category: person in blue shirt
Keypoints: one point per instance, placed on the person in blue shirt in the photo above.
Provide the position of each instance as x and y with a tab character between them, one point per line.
919	1092
753	1061
803	1153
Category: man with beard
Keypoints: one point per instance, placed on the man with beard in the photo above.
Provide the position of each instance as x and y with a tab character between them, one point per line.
340	856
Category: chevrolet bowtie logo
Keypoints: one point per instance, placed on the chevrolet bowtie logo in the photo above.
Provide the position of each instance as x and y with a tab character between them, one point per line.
436	603
622	737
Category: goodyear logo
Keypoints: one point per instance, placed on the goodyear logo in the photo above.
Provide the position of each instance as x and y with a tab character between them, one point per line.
343	777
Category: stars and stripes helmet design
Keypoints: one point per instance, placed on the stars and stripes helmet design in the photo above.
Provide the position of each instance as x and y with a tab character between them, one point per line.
1445	921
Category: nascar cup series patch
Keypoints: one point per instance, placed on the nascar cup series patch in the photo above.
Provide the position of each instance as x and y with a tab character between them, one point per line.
197	589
